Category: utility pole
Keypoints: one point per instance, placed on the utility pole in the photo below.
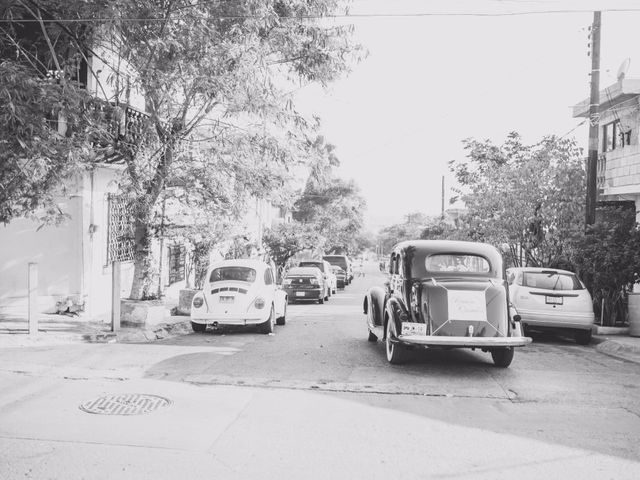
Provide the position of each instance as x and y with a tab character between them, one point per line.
594	125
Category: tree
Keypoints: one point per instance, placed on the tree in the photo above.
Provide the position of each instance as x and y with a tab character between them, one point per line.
287	239
607	259
527	197
336	209
201	66
52	128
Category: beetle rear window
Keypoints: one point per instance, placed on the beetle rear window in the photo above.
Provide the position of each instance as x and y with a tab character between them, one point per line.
241	274
551	281
457	263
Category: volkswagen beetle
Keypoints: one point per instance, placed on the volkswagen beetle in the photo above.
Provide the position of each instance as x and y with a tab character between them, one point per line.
448	294
239	292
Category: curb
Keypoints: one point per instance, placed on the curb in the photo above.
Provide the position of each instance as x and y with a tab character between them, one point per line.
622	350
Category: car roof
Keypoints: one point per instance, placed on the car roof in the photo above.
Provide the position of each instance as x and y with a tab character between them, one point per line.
449	246
539	269
303	271
312	261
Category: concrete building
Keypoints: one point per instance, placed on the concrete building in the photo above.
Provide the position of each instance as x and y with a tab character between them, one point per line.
618	178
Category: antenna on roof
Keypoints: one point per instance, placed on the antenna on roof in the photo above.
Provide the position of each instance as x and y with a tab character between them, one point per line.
622	69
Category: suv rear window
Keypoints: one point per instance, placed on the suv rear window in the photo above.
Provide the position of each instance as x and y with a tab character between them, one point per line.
339	260
551	280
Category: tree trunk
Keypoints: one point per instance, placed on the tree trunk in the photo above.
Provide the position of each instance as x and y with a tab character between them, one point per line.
142	262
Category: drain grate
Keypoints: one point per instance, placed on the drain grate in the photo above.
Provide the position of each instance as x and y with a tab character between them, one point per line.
125	404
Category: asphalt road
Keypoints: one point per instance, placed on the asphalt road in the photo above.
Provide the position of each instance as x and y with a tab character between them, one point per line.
317	400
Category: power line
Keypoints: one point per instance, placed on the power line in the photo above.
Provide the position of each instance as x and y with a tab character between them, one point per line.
319	17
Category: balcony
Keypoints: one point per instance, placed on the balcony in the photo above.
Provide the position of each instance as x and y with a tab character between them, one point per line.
618	172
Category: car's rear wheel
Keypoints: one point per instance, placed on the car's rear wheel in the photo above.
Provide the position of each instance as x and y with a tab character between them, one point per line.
582	337
502	357
282	320
321	300
396	352
267	327
198	327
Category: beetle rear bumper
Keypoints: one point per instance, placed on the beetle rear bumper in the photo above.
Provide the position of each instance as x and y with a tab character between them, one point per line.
471	342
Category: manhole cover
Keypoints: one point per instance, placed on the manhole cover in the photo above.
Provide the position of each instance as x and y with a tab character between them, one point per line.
125	404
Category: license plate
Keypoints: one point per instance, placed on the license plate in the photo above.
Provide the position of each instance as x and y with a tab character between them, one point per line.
553	300
410	328
299	294
226	299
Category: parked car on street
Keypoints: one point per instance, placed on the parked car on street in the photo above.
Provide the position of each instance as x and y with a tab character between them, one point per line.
325	268
343	262
446	294
239	292
552	299
305	284
341	276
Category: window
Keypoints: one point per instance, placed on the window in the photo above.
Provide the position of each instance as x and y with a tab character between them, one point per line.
457	263
551	280
268	277
613	137
240	274
177	255
120	243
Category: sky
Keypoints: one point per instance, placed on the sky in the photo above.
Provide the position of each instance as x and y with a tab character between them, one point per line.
438	72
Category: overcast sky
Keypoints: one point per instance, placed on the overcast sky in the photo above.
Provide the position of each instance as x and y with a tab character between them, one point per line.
442	71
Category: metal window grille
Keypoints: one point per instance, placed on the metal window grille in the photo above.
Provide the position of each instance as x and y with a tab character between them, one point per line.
177	257
120	243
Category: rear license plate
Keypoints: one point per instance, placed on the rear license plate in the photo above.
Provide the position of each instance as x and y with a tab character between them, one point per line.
410	328
553	300
299	294
226	299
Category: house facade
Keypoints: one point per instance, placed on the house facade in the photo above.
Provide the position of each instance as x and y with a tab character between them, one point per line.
618	171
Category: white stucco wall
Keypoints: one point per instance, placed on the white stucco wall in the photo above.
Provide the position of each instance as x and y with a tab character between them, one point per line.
71	258
56	250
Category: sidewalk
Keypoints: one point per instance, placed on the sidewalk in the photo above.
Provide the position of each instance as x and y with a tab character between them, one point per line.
61	329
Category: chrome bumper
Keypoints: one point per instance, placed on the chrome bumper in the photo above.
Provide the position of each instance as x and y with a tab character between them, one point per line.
471	342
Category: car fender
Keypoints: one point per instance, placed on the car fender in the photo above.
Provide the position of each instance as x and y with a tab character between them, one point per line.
395	312
373	306
280	301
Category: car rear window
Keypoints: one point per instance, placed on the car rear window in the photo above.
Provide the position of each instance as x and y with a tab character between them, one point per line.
241	274
551	280
312	264
338	260
457	263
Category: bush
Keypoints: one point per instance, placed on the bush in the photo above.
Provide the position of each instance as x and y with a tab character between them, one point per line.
607	260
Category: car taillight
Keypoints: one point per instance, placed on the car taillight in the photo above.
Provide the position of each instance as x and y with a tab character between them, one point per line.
287	281
198	302
314	281
259	303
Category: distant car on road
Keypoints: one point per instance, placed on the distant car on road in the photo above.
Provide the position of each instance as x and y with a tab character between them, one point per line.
305	284
444	294
343	262
552	299
239	292
325	268
341	276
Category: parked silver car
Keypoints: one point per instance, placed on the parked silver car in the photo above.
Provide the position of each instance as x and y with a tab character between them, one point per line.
549	298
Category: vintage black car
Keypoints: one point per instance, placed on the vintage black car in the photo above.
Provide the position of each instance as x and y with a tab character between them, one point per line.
447	294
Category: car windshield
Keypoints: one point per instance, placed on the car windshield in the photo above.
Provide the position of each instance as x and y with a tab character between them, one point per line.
550	280
241	274
457	263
